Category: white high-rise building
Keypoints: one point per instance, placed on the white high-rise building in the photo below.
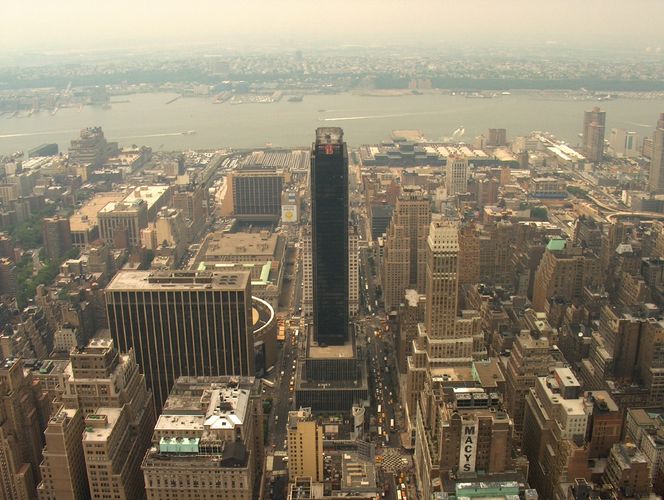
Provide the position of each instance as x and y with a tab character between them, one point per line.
353	273
456	175
625	144
307	274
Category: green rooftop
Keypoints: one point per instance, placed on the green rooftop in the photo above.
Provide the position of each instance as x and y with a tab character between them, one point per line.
556	245
178	445
487	490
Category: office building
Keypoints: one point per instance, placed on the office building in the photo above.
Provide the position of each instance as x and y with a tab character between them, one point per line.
263	253
469	254
442	354
329	224
477	435
84	223
456	175
8	278
442	280
330	378
155	197
172	233
497	137
57	236
120	223
63	470
113	453
380	216
25	411
645	428
564	272
595	143
594	122
656	179
91	148
208	441
530	358
353	272
193	204
625	144
256	194
605	424
650	361
98	375
555	426
9	192
404	257
628	471
198	322
623	338
305	445
528	245
102	426
6	246
307	272
450	337
410	314
547	188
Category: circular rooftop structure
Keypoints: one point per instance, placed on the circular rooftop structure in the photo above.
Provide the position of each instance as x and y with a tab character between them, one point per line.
264	321
262	315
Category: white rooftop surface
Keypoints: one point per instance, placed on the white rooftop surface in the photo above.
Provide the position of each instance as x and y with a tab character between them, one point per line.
151	194
101	434
133	280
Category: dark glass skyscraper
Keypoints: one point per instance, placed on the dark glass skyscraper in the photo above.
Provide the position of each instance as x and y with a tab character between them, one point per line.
329	231
182	323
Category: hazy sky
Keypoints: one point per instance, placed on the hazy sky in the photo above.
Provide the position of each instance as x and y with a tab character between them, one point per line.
80	24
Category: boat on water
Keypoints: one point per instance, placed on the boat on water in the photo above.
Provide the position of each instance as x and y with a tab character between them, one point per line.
189	132
458	132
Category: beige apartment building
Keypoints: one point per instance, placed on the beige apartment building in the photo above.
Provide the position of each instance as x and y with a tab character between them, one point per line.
305	446
404	257
63	469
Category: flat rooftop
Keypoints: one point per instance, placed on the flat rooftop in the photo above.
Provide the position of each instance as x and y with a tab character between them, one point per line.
151	194
357	474
86	216
218	245
489	372
131	280
345	351
214	408
104	421
122	206
329	135
453	373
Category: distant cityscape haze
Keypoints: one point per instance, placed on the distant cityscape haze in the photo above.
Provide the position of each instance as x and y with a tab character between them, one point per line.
44	25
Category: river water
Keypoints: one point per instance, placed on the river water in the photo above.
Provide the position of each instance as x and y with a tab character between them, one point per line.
147	119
